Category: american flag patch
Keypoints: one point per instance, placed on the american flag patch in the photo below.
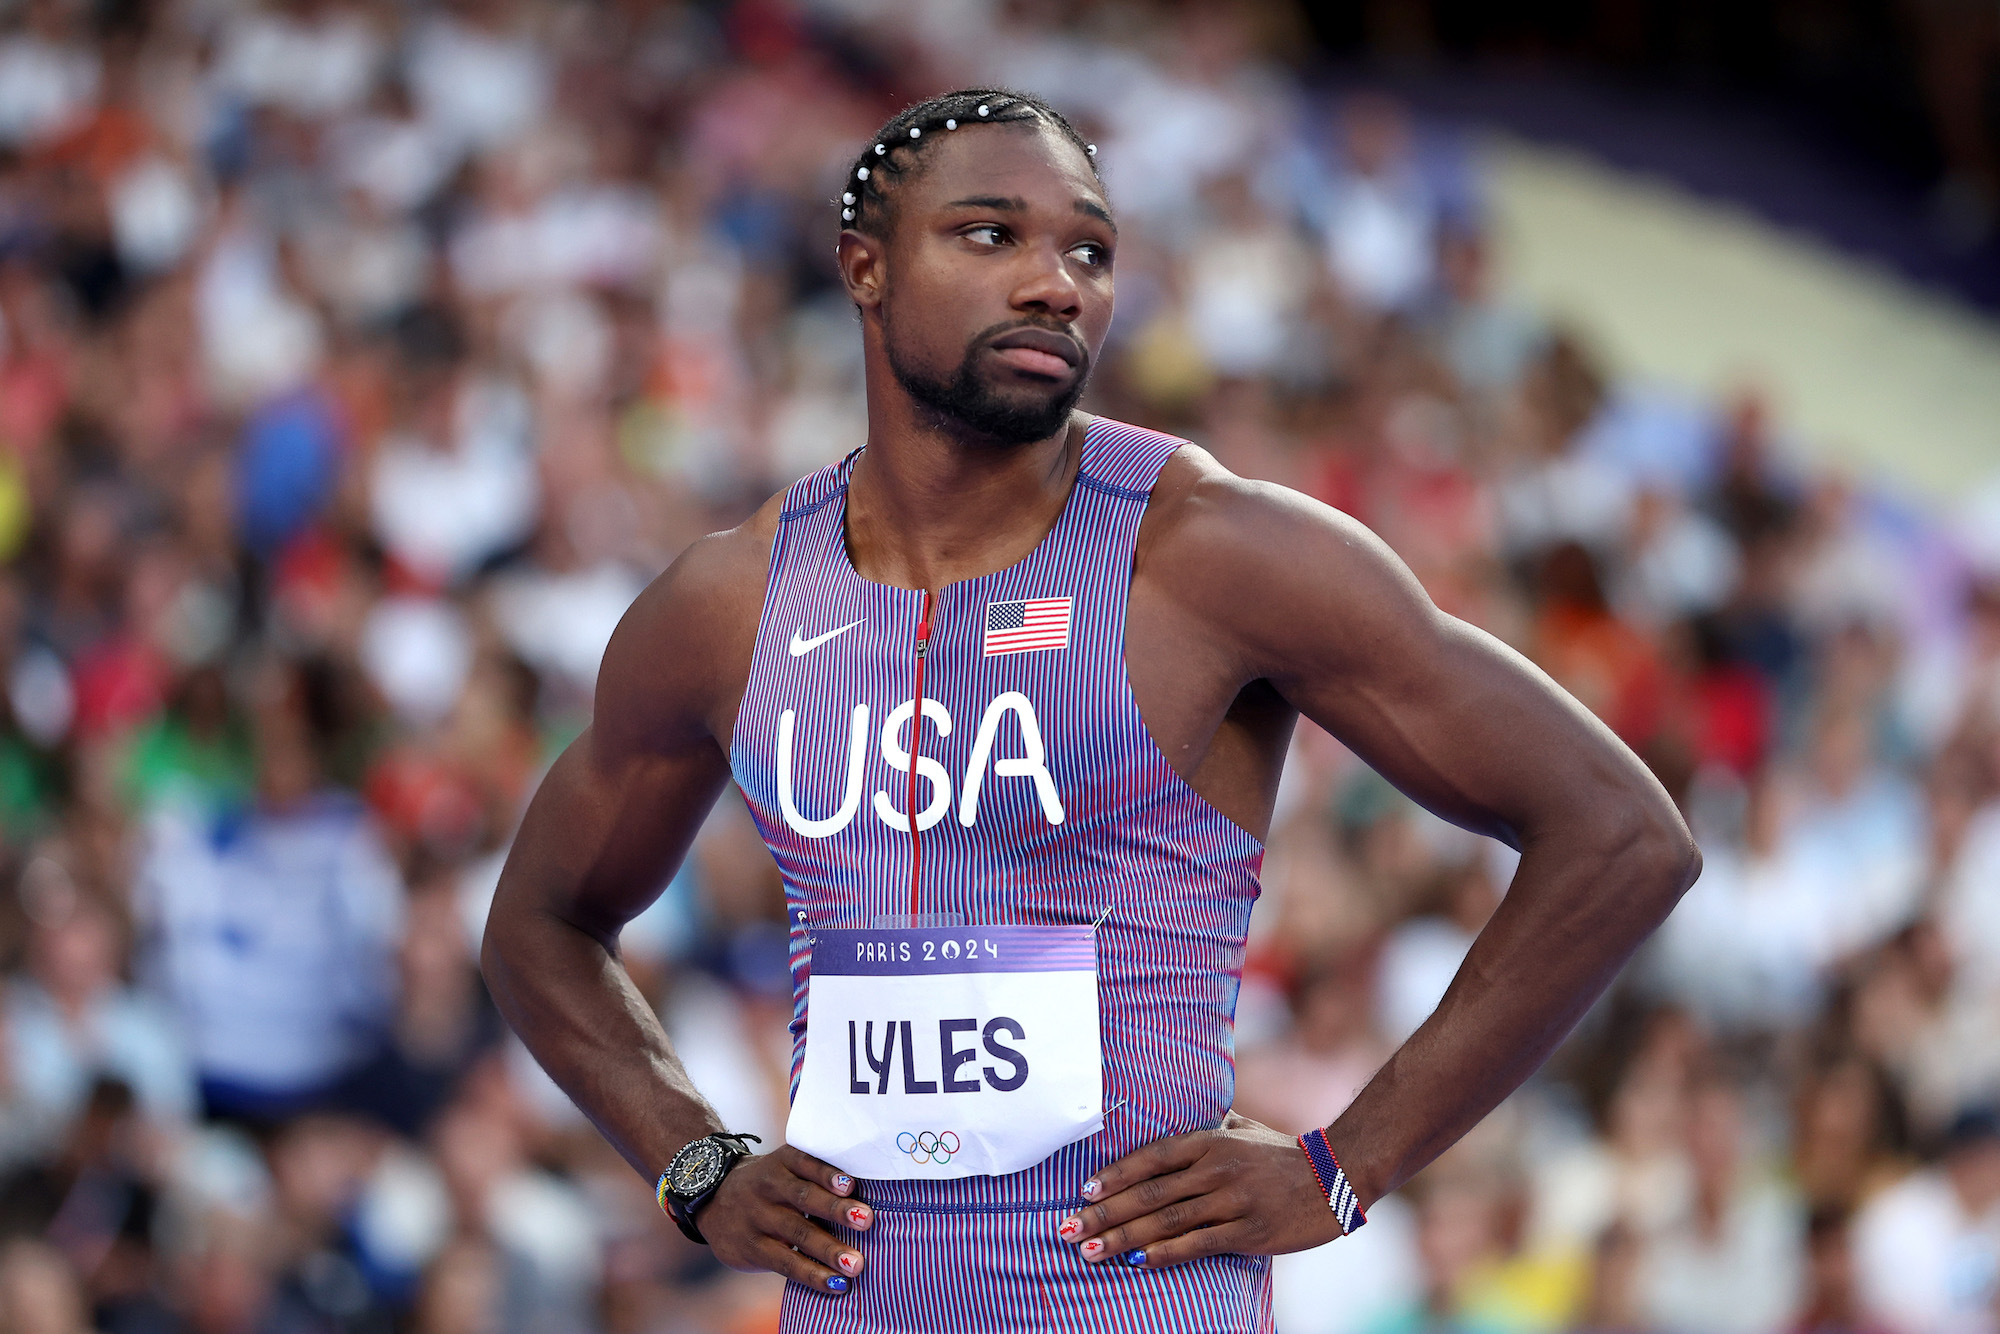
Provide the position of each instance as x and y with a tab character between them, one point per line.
1022	627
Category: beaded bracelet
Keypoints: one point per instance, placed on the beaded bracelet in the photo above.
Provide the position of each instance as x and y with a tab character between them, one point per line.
1340	1196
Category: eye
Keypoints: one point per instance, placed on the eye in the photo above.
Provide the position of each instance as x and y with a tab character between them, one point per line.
1093	254
988	233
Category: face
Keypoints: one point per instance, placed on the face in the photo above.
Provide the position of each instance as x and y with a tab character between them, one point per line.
991	293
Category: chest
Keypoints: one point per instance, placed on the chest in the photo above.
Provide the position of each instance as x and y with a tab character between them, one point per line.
1015	711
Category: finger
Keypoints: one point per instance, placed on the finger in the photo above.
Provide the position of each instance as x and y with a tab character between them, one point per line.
1162	1155
1231	1238
808	1238
1172	1220
809	1197
814	1169
779	1258
1143	1198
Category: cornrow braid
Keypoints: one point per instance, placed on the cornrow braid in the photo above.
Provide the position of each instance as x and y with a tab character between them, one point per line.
865	200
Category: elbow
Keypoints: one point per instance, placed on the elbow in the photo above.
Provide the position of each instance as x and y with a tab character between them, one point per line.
497	938
489	952
1690	862
1664	859
1648	850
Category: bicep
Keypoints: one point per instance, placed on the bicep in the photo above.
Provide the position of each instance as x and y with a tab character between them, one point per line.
616	812
608	827
1459	721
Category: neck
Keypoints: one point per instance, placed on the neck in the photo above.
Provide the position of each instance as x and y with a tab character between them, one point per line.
926	508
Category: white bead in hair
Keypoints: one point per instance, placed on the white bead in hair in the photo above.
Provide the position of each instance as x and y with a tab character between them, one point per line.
879	150
983	108
862	174
915	133
847	198
847	215
1090	149
951	125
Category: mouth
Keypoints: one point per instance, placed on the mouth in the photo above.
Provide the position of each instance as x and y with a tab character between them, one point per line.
1039	352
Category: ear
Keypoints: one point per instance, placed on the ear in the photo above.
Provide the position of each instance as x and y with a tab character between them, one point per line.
862	260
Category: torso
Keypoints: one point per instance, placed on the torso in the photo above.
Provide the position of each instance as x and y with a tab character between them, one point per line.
1090	823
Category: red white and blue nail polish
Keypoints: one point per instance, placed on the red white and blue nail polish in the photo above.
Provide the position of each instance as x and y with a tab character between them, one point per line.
1135	1258
835	1283
1070	1228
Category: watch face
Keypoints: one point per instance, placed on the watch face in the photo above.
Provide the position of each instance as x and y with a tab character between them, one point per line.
696	1168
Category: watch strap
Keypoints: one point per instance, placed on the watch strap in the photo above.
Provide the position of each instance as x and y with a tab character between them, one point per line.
682	1209
672	1208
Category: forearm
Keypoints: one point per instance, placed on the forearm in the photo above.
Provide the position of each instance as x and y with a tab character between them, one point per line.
1572	918
575	1007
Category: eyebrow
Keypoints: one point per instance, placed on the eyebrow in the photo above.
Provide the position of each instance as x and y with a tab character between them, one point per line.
1015	204
1097	211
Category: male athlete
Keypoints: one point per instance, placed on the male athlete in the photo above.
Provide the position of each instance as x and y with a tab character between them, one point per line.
1033	674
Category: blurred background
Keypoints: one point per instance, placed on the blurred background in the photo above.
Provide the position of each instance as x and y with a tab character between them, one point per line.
360	360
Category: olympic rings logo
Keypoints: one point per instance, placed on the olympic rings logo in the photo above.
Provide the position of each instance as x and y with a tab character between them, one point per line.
927	1147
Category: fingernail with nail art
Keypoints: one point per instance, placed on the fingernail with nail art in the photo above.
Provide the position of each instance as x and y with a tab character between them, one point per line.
1091	1187
857	1217
1135	1258
1094	1247
1070	1227
835	1283
850	1263
843	1182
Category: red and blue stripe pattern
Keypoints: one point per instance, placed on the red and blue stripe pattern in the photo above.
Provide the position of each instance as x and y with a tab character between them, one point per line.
1125	844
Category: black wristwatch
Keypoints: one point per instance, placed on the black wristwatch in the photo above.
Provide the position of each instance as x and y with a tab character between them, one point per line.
691	1179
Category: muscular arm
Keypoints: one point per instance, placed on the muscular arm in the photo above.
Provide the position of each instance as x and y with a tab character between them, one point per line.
1480	736
1474	732
604	833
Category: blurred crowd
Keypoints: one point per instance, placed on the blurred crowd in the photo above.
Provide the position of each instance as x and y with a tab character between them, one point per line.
360	360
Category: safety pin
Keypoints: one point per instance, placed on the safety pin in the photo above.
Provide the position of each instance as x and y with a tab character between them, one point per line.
1100	917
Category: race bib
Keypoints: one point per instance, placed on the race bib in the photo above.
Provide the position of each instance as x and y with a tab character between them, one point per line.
940	1052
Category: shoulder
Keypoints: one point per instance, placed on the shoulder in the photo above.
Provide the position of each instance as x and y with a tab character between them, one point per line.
1252	559
711	579
1200	508
684	645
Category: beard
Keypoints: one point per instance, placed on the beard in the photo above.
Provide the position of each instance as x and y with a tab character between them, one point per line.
971	408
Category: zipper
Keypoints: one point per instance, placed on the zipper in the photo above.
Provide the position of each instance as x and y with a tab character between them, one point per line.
916	747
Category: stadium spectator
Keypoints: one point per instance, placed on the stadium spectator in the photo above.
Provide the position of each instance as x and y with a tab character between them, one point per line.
70	1021
272	927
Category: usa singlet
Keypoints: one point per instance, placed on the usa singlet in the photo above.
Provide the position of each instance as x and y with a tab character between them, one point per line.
1042	800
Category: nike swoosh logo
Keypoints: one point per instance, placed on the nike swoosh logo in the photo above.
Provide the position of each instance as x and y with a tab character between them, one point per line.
801	647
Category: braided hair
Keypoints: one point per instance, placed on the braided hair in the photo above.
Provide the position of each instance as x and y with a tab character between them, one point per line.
866	202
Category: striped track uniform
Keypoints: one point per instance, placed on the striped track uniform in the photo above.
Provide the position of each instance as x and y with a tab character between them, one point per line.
1103	828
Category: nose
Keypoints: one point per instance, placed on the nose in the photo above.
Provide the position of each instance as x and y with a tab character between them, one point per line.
1047	287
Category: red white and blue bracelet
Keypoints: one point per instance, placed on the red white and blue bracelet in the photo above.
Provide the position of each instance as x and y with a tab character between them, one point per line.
1340	1196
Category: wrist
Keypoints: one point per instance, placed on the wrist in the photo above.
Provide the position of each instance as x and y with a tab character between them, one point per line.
695	1175
1366	1171
1341	1196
